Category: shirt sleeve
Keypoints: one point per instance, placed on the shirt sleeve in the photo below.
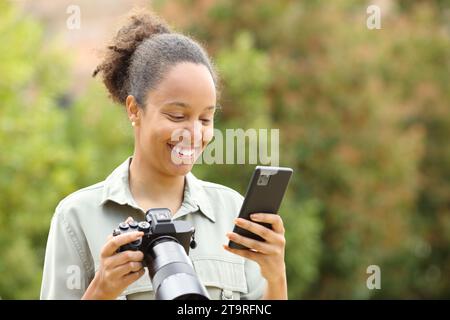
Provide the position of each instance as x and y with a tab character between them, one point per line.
67	270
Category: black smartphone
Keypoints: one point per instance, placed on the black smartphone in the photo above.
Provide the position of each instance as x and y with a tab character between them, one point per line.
264	194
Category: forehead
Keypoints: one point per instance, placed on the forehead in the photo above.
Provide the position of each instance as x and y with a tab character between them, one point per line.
185	82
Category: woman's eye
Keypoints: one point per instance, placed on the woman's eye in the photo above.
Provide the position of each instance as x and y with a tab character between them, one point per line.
176	118
206	121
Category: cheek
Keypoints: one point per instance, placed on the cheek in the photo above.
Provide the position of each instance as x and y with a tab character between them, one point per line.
208	134
164	130
154	137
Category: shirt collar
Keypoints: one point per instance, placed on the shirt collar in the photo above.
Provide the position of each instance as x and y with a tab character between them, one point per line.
195	194
117	189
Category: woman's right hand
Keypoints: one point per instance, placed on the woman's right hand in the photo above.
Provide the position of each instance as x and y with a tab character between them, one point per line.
117	270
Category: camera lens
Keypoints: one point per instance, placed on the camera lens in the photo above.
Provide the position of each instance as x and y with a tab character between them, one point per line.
169	266
263	180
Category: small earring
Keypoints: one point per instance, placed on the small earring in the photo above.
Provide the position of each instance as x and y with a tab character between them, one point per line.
133	123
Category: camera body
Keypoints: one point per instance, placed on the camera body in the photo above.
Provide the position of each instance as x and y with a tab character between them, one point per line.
158	226
165	245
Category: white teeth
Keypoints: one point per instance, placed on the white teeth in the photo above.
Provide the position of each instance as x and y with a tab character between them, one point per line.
183	152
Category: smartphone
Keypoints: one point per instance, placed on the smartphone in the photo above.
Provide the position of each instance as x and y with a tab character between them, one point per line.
264	194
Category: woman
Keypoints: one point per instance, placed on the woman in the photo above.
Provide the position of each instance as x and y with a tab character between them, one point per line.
168	86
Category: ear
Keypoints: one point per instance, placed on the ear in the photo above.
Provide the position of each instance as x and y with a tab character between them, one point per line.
132	109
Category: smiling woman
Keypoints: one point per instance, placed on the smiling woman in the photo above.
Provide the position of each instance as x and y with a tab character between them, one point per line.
168	86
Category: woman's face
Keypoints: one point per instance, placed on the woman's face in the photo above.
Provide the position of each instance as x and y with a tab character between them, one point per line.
178	120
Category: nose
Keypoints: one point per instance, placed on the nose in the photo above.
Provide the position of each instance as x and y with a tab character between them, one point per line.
195	130
190	135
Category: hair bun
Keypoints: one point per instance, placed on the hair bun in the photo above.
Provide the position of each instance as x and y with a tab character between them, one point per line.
140	25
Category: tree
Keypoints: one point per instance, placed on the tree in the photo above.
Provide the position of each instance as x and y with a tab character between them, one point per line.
363	117
347	100
47	151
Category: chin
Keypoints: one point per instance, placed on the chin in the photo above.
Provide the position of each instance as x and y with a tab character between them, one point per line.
180	170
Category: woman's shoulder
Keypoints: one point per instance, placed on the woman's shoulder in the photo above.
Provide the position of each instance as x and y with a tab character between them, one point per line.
81	198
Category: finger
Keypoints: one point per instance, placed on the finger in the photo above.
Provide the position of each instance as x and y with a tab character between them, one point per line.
244	253
132	277
265	233
129	219
116	242
274	219
126	268
251	243
124	257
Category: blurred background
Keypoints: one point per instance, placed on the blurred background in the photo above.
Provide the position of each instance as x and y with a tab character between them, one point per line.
364	119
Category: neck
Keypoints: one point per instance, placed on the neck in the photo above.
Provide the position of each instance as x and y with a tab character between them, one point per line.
150	187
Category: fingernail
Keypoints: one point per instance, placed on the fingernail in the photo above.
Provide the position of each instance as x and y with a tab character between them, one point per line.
254	216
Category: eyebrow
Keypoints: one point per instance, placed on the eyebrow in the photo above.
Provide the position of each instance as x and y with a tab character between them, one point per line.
185	105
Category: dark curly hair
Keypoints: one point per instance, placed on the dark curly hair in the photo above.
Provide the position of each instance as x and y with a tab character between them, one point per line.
141	53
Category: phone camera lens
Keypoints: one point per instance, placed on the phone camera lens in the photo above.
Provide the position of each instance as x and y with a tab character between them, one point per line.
263	180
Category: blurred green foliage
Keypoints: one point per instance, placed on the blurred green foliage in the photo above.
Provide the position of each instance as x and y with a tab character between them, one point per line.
46	151
364	119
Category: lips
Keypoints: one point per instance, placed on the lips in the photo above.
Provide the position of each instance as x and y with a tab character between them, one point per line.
185	152
182	152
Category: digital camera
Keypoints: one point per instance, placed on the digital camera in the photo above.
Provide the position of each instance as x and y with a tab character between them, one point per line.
165	245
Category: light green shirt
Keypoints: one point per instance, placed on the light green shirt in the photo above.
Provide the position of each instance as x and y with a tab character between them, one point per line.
83	221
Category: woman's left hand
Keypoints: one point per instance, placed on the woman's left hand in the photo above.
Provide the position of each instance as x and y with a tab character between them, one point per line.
269	254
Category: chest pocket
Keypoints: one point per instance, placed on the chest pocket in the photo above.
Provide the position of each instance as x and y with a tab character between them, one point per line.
223	277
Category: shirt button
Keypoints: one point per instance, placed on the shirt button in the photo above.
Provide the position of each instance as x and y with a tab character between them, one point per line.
227	294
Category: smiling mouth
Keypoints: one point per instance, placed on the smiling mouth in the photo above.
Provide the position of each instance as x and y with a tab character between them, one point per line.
183	152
